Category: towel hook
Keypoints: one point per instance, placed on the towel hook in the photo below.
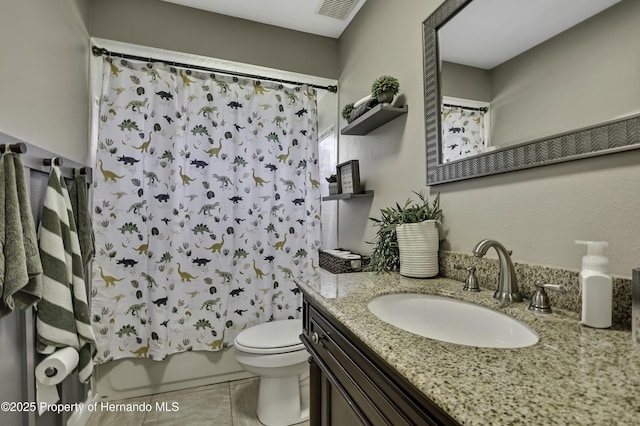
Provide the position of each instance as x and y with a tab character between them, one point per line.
18	148
86	172
49	161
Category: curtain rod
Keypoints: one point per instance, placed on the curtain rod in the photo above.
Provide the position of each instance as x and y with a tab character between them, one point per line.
99	51
483	109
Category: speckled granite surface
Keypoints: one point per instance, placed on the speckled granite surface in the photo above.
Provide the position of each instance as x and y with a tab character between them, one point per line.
574	375
527	274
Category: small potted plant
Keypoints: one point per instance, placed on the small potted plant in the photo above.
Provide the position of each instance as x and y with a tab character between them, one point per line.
384	88
408	238
346	112
333	184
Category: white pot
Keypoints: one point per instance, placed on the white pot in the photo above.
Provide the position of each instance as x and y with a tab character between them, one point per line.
385	97
418	244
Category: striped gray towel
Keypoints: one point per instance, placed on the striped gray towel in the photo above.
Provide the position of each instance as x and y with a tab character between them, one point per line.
63	313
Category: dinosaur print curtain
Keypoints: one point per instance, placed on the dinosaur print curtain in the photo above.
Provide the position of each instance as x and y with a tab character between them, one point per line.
463	133
206	205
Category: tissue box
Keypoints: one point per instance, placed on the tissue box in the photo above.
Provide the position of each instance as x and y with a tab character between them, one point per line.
331	260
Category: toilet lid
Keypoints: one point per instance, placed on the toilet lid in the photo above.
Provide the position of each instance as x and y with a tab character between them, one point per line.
275	335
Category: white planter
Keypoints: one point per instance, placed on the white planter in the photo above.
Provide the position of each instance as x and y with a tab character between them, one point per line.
418	244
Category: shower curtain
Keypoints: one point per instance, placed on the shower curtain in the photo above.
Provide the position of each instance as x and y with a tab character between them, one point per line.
206	205
463	133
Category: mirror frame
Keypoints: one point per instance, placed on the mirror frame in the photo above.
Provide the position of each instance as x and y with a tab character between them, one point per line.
604	138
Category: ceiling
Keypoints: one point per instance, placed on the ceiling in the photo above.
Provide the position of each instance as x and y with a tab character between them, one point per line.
326	18
495	25
502	29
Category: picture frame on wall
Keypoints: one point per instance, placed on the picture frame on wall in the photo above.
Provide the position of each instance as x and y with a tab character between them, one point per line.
348	174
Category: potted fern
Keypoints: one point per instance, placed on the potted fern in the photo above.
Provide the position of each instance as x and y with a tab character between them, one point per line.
384	88
408	238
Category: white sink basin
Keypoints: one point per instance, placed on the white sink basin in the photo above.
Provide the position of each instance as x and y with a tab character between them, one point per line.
453	321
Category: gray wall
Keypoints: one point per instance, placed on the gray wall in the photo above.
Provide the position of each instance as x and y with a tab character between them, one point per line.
563	84
44	101
168	26
45	74
461	81
538	213
583	76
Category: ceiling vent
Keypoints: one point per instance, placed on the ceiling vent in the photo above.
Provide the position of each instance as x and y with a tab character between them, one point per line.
338	9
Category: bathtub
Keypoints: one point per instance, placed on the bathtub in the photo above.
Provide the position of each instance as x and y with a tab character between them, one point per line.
133	377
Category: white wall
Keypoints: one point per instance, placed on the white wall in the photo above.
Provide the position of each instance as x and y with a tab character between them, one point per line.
44	93
537	213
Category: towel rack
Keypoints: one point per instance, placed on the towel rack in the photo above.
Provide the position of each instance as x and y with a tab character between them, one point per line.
45	159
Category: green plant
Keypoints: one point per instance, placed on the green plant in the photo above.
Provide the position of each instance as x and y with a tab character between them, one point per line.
347	110
385	256
383	84
333	178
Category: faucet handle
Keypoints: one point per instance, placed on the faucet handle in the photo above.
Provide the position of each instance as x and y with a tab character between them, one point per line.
540	301
471	283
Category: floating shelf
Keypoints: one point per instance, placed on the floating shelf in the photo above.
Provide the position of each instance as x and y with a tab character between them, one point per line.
349	196
374	118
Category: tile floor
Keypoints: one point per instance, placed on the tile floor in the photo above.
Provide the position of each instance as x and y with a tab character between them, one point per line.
222	404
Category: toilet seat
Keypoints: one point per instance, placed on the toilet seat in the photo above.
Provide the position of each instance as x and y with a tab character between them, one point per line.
273	337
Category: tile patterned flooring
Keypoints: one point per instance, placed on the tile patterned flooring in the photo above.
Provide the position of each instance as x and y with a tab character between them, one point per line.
222	404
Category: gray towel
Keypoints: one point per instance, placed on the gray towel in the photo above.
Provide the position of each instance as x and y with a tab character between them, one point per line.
21	270
80	206
63	313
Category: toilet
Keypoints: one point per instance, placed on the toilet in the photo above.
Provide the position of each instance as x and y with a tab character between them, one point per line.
274	352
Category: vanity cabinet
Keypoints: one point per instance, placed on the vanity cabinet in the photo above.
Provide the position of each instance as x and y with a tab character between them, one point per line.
350	384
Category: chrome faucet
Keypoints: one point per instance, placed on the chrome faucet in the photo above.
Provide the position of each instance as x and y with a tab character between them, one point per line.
507	290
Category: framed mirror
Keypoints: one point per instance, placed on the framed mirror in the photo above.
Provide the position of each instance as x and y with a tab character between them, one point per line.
559	81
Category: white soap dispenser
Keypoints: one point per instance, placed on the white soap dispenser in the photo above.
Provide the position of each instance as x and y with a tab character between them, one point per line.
596	289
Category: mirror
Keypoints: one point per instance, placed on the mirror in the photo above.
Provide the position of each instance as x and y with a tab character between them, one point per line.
565	88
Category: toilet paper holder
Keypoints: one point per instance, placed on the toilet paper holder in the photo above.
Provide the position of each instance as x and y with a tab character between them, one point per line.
50	371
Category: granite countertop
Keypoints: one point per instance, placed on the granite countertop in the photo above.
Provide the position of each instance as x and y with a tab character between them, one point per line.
574	375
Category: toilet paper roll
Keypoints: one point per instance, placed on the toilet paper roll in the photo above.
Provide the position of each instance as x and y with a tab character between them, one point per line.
52	371
356	262
337	253
349	256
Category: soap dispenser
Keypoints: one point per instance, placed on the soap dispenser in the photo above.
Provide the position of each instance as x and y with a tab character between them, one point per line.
596	289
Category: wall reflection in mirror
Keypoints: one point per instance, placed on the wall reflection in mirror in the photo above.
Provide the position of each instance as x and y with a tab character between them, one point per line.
514	71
